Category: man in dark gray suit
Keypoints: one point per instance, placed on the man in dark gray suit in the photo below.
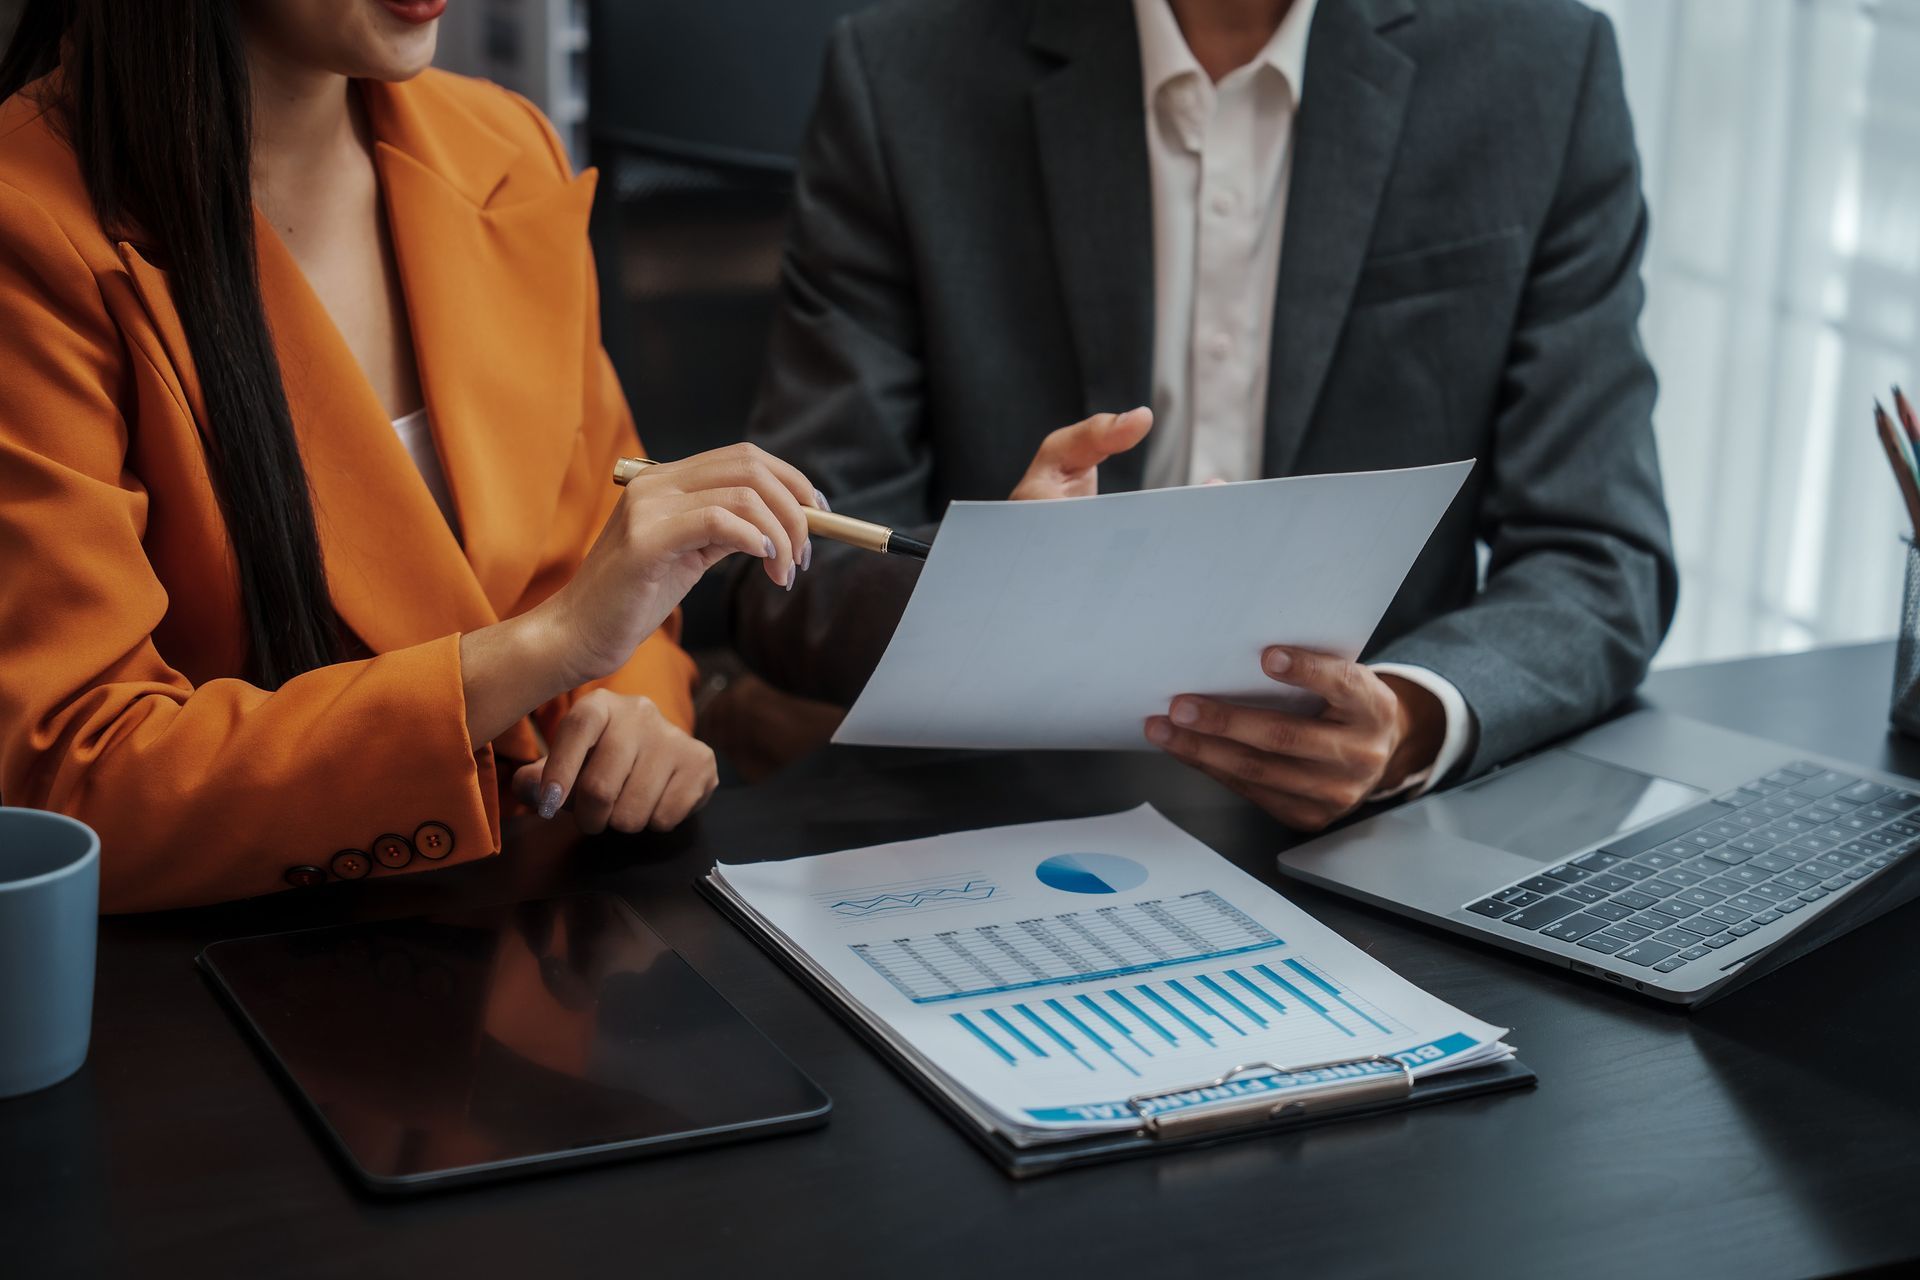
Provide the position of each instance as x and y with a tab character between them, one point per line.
1312	235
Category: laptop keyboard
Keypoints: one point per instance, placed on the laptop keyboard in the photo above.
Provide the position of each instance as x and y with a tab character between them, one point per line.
1673	893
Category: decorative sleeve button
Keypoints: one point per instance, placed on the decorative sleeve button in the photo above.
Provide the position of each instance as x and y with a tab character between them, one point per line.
304	877
392	851
351	864
433	840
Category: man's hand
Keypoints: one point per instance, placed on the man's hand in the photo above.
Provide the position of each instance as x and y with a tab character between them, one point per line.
1067	465
1308	771
622	764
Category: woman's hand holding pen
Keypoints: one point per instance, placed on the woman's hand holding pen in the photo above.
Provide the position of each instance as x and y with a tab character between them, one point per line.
673	523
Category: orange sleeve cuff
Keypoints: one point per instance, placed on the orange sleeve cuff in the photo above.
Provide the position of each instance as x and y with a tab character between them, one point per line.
349	771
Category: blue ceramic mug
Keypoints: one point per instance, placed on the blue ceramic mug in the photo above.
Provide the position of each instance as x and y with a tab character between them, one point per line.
49	904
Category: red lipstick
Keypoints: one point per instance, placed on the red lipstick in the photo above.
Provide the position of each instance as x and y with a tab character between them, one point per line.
415	11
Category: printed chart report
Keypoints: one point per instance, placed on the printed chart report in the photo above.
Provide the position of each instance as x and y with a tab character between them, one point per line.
1044	975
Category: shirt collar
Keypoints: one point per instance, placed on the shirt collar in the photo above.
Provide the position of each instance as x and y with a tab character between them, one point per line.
1287	51
1165	57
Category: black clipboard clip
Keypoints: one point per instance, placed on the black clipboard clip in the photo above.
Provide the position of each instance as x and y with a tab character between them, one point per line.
1333	1094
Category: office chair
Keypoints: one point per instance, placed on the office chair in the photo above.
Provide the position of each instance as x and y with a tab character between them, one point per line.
696	113
724	89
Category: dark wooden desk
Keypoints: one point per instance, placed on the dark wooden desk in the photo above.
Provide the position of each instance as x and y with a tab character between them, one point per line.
1774	1134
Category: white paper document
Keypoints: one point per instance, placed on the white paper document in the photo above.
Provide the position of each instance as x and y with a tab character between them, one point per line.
1067	623
1041	976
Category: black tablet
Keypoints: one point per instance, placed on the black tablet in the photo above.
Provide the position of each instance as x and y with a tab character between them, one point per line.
496	1041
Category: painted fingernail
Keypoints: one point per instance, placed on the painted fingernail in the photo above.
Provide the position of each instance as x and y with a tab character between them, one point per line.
766	548
806	555
1185	713
1278	661
1158	733
820	501
792	573
550	800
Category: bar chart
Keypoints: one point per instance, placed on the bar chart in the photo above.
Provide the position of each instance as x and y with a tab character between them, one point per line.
1076	946
1287	1004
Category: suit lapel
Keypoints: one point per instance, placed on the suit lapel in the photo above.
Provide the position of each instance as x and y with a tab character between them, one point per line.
1091	135
1344	144
397	575
496	293
394	572
496	290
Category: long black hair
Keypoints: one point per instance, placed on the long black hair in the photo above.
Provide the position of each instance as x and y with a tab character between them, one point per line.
156	103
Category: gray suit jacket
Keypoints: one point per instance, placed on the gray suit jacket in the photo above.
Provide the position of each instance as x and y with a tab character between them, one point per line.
970	266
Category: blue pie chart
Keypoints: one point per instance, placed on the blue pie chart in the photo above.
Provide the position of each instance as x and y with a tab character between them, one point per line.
1091	873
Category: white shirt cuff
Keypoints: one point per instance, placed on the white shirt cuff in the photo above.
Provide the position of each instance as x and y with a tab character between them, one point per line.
1453	744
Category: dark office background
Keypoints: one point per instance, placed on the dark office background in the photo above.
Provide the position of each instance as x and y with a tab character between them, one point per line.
695	184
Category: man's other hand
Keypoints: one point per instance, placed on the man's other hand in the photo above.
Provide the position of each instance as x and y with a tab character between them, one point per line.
1067	465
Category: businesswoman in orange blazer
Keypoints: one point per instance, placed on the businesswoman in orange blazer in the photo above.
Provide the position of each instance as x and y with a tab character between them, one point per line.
309	555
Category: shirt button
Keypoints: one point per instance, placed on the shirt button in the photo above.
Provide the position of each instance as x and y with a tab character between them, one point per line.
1219	346
351	864
1222	204
433	840
305	877
392	851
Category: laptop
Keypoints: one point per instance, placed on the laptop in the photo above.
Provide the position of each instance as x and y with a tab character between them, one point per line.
1655	852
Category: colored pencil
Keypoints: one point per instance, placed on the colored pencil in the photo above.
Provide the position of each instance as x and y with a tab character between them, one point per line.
1911	427
1902	469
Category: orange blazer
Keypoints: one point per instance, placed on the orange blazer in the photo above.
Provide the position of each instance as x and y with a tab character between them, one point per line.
122	647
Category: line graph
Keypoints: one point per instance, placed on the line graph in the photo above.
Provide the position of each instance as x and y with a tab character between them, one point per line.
908	897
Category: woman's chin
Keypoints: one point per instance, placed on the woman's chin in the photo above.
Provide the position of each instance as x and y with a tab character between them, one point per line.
400	59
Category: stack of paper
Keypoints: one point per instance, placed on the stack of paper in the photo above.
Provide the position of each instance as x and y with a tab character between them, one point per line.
1068	978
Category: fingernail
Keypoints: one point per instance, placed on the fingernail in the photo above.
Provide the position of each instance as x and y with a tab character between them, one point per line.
1185	713
1158	733
766	548
550	800
806	555
820	501
1278	661
791	575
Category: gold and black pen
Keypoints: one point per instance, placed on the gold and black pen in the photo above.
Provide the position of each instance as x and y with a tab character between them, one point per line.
821	524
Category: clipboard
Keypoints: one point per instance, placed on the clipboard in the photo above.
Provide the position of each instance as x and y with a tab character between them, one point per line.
1352	1088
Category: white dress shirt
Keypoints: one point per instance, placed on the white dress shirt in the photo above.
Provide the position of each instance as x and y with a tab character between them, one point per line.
1219	159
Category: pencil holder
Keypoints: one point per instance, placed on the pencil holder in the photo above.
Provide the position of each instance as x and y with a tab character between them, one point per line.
1905	711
